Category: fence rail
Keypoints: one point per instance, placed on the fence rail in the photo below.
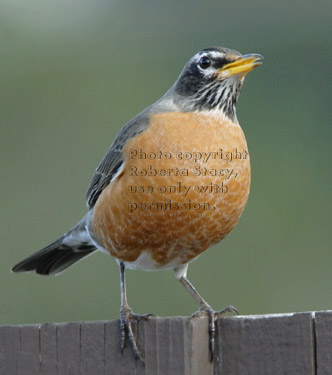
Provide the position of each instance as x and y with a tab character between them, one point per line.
292	344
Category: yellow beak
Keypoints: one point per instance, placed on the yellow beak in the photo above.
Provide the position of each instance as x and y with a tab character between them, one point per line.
244	64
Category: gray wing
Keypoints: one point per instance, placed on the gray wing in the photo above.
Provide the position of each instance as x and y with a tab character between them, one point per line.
114	158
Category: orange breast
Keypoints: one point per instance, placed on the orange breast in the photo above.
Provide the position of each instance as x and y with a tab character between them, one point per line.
184	186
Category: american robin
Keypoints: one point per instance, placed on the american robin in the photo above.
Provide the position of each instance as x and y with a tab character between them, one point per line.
174	182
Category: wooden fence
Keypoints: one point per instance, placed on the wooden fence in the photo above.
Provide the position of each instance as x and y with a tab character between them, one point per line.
281	344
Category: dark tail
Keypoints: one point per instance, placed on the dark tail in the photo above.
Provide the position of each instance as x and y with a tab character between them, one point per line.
59	255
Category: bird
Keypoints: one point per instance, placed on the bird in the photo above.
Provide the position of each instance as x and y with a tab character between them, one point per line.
174	182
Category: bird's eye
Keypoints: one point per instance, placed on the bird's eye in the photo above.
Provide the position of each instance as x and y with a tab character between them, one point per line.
204	62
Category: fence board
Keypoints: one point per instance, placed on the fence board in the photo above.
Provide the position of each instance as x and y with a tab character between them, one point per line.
68	348
115	362
281	344
323	329
48	349
9	349
92	348
28	355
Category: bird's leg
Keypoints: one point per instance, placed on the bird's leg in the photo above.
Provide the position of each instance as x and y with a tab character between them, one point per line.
126	318
205	308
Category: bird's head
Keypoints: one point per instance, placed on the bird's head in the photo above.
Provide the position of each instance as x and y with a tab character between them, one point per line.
212	79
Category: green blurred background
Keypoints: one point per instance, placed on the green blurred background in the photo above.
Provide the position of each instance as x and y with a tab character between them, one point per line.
73	72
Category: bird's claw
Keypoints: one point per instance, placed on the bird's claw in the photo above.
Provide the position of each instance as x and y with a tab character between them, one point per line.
229	309
144	316
213	316
126	330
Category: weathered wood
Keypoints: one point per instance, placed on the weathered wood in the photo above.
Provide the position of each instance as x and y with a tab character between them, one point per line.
68	348
92	348
289	344
176	345
9	349
48	349
277	344
115	361
323	329
28	358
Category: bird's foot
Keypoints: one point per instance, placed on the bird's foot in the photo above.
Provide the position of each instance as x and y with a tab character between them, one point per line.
213	316
126	329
